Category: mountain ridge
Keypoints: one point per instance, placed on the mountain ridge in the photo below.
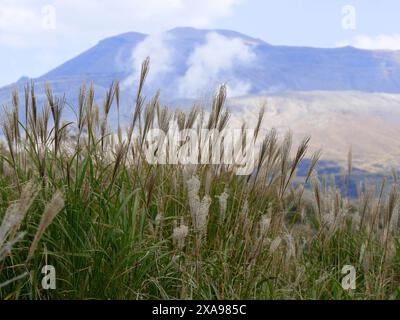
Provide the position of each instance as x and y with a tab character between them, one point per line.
250	65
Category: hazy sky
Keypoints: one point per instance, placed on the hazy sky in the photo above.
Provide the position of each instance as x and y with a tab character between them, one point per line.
37	35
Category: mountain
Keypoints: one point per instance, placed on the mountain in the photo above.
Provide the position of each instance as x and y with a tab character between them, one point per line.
341	97
369	123
188	63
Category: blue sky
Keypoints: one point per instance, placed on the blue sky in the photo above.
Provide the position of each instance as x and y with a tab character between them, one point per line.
36	36
314	22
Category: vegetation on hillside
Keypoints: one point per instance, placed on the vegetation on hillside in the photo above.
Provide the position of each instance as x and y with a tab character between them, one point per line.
83	199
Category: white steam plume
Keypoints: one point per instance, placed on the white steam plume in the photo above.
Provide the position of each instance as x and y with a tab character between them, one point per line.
161	58
206	63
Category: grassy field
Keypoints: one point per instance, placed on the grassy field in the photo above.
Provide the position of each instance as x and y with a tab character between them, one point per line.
83	199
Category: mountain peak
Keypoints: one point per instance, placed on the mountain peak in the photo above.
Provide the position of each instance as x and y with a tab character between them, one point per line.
192	33
124	37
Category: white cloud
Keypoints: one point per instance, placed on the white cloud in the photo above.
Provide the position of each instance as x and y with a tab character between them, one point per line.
208	61
159	50
148	16
17	24
81	24
16	17
238	88
380	42
99	18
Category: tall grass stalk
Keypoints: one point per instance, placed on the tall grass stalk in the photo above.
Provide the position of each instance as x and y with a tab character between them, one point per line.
125	229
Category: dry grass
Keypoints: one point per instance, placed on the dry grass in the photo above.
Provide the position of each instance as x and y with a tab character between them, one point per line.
122	228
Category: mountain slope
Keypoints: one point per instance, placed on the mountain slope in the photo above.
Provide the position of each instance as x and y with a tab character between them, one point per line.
336	121
102	59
